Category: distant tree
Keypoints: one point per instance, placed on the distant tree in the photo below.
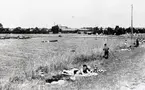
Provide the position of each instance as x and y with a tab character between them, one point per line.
105	32
118	30
135	30
44	31
1	26
36	30
55	29
128	30
100	30
110	31
7	30
141	30
95	30
27	31
17	30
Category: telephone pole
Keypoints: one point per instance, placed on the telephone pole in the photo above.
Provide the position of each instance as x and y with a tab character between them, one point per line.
131	22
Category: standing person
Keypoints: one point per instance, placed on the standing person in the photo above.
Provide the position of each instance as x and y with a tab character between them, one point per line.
125	43
106	51
137	43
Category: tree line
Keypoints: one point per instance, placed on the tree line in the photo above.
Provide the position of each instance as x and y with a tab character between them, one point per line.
55	29
106	31
117	30
20	30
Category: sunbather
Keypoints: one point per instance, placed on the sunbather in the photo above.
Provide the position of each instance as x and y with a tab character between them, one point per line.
84	70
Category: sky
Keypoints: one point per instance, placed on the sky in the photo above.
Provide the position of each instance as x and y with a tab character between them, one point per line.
71	13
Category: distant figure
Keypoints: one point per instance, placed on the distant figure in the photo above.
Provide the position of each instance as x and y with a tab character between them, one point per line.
137	43
59	35
125	43
106	51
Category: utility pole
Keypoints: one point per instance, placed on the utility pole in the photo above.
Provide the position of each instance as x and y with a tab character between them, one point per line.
131	22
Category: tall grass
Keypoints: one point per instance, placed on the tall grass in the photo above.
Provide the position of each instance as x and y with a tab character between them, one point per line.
80	59
52	58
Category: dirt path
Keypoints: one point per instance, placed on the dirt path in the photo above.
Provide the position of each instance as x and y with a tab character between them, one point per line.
137	75
130	74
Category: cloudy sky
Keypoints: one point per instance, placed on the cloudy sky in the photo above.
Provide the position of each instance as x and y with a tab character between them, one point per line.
72	13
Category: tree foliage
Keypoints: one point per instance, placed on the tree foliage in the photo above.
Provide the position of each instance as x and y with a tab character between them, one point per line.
55	29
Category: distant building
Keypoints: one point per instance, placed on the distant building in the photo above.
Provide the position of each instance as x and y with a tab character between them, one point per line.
63	29
84	31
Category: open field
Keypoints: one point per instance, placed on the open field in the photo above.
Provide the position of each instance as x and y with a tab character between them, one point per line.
20	58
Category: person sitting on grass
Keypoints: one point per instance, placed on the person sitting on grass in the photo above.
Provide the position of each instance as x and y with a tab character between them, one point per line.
84	70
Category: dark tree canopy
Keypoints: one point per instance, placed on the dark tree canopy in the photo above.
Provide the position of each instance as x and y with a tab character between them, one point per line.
56	29
1	26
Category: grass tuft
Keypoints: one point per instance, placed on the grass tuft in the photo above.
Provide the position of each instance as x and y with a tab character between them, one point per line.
86	58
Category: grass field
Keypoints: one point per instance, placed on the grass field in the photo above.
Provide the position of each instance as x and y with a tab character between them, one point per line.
19	59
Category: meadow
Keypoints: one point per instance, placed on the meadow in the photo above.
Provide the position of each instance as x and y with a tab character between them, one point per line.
20	58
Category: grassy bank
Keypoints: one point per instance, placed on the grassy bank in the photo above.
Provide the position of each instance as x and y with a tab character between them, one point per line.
20	59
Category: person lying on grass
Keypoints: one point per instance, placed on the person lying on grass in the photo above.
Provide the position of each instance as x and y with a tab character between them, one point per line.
70	72
84	70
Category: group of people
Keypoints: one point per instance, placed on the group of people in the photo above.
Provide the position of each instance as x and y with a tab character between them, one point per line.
71	74
135	44
85	70
106	48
